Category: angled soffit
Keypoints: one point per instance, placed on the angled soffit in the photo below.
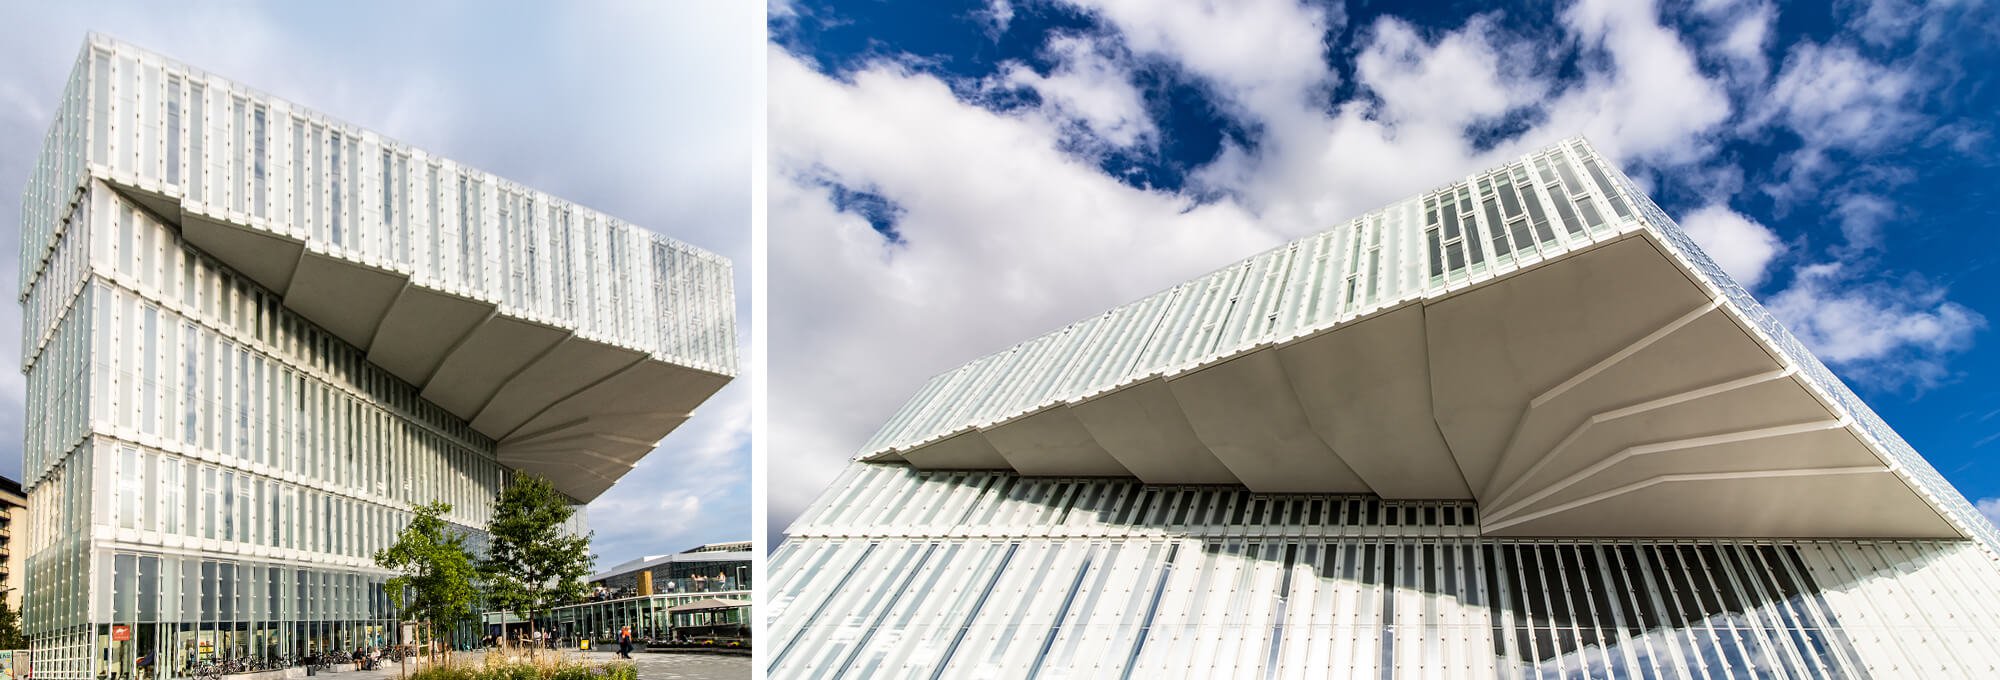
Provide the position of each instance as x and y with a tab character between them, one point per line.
570	408
1537	337
1602	392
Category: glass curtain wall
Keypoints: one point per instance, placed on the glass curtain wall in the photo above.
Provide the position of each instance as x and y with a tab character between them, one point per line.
648	616
220	472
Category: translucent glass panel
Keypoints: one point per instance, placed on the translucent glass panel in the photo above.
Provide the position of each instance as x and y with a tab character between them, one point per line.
183	410
889	500
196	362
648	616
57	178
1540	206
159	498
684	573
236	155
56	540
262	608
1277	592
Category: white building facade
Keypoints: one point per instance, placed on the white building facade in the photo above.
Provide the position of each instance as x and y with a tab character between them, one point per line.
255	337
1517	426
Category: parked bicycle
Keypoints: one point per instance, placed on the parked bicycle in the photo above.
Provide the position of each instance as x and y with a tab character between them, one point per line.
211	669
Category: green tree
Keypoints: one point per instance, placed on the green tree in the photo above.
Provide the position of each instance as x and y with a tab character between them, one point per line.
10	628
532	563
434	585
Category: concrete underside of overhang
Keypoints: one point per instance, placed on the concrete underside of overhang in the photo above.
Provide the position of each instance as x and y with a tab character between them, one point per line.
578	412
1604	393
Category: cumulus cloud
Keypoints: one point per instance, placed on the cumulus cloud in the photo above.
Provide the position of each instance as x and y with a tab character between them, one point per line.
1649	100
1836	100
998	14
1743	247
1030	236
999	229
1207	37
1024	238
1862	217
1089	87
1740	33
1886	22
1891	333
1449	84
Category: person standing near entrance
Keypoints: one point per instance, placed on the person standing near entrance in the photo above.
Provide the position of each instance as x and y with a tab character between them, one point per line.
625	642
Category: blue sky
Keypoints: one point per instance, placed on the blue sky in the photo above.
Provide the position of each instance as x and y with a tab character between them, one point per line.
639	110
950	177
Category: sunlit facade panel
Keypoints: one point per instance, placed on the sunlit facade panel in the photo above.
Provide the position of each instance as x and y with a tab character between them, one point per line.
917	574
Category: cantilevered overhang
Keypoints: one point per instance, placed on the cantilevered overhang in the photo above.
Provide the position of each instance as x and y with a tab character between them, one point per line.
1603	392
578	410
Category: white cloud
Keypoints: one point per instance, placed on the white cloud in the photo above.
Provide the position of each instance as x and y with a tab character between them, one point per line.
1651	101
1886	22
1836	101
1313	166
1448	84
1005	235
1209	38
1891	333
998	15
1743	247
1740	33
1861	218
1088	86
1990	507
1835	98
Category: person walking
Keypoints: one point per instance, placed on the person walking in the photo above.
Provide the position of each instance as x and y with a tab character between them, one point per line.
625	642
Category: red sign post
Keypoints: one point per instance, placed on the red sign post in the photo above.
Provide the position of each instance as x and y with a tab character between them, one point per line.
121	632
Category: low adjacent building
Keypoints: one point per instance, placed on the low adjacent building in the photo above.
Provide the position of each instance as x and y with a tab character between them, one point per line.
13	514
700	593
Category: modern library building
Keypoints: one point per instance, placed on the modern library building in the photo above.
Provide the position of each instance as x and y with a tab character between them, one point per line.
1517	426
254	337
